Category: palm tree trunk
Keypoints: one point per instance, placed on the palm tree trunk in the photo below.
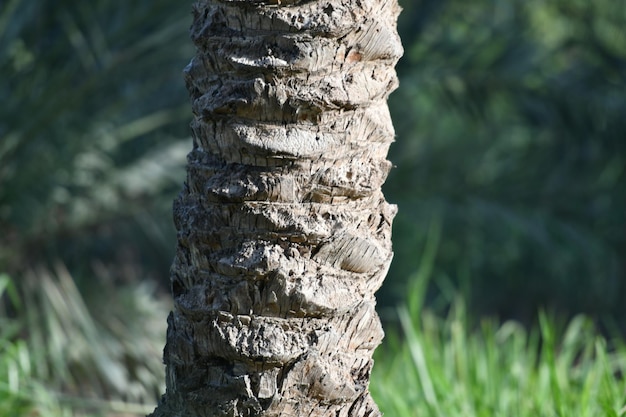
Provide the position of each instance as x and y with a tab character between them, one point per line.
283	232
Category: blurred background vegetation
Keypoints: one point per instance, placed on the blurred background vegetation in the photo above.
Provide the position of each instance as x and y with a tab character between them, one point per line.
511	147
511	131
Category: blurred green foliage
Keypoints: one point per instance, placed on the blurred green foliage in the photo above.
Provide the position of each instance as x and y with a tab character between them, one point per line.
511	132
93	138
93	113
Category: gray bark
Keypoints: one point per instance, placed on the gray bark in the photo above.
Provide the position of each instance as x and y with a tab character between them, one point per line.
283	232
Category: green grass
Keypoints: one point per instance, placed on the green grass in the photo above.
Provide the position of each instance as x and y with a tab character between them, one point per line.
67	354
21	394
443	366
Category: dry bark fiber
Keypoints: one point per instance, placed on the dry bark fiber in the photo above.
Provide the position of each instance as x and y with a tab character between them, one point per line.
283	232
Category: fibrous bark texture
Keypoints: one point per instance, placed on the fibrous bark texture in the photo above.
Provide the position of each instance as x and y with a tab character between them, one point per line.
283	232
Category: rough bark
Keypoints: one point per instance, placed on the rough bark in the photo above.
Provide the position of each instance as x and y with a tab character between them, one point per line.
283	232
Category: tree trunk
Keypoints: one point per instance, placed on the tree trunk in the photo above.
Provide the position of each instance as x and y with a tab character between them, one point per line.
283	232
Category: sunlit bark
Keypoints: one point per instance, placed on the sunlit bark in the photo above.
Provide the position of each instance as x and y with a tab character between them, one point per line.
283	232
